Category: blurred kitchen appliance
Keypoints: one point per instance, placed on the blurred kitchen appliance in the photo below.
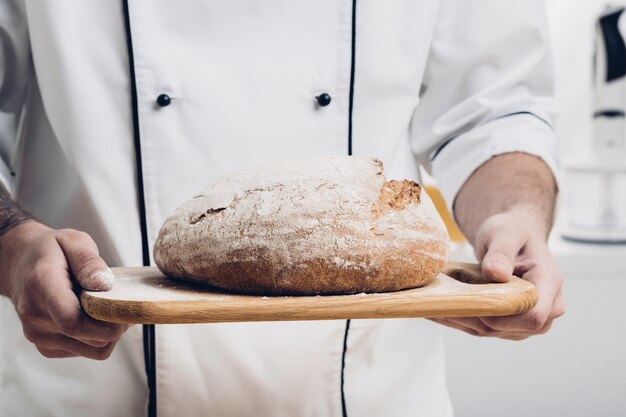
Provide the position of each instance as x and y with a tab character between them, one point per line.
595	182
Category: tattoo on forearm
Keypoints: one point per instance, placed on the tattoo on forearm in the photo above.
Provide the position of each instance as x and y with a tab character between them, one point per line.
11	214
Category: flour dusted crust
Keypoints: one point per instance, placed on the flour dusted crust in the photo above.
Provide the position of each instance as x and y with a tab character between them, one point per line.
319	226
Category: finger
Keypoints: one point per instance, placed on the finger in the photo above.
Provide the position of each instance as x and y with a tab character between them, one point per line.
547	282
521	335
94	343
520	331
502	250
473	327
61	343
71	321
39	335
55	353
454	325
473	324
91	272
66	315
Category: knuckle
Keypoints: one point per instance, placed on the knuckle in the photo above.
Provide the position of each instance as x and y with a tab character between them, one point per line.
51	353
558	311
105	352
40	270
33	281
31	334
112	333
487	327
68	324
95	343
546	327
483	240
117	332
543	330
26	313
85	258
535	321
73	234
489	331
46	352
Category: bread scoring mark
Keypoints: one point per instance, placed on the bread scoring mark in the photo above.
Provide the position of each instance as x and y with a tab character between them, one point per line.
205	214
395	195
380	166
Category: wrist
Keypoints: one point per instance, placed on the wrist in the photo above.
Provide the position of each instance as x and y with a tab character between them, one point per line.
21	232
515	186
14	243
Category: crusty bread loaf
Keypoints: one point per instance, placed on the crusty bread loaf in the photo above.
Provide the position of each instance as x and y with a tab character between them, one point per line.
320	226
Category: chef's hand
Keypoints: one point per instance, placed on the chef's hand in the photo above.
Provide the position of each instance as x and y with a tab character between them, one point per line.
506	209
507	244
36	266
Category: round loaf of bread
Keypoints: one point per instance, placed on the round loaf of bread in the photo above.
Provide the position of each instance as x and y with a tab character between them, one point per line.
320	226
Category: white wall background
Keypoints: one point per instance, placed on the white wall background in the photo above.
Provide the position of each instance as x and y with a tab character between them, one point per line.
572	26
579	368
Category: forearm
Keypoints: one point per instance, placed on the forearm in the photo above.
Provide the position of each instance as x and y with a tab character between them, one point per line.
514	182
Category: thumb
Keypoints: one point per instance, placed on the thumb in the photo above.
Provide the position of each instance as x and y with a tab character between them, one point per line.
89	269
498	263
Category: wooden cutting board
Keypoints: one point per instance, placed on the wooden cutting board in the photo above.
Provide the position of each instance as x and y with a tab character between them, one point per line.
144	295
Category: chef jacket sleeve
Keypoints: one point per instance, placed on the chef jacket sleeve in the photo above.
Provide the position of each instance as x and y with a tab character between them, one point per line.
7	140
15	67
487	90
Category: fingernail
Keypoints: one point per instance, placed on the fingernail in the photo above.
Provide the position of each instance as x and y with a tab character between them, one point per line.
101	280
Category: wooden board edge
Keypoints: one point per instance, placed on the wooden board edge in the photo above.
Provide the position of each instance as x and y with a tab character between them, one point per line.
189	312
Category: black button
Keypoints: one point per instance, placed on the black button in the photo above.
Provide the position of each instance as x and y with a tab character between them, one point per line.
323	99
164	100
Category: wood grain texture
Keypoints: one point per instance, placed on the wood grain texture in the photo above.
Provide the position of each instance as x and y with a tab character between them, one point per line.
144	295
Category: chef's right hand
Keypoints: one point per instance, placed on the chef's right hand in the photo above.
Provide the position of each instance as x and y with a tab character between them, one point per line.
36	266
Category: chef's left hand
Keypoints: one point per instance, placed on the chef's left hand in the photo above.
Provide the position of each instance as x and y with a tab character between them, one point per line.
508	244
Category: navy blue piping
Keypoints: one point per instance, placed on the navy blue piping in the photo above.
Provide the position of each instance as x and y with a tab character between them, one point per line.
343	366
352	71
446	143
344	410
609	114
149	342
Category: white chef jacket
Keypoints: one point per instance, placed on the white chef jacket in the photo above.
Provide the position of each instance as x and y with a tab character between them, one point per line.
444	83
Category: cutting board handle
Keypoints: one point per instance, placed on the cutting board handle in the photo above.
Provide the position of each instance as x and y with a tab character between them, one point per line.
466	273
